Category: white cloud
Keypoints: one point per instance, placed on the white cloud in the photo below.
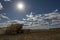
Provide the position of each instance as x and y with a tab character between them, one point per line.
29	16
55	15
5	17
52	15
56	10
7	0
1	7
34	17
23	19
16	21
49	20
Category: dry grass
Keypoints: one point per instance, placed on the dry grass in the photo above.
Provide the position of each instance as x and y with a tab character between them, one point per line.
53	34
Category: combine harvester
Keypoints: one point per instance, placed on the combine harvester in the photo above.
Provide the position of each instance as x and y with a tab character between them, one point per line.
10	28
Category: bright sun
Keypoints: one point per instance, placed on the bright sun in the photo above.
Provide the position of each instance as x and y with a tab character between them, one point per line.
20	6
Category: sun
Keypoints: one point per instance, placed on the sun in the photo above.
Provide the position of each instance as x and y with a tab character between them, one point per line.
20	6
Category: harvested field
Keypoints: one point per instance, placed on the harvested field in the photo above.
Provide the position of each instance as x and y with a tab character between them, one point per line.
52	34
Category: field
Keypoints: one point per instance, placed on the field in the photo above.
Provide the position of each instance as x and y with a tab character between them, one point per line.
52	34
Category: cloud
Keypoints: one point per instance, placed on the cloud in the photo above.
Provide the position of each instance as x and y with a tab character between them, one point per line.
16	21
52	15
56	10
1	7
29	16
5	17
55	15
7	0
32	17
46	21
23	19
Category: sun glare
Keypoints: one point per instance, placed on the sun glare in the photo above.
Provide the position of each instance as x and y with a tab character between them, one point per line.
20	6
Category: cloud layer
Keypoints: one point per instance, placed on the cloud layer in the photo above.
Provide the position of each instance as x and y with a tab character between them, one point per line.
1	7
5	17
49	17
7	0
45	21
39	21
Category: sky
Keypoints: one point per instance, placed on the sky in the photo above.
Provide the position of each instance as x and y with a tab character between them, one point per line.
8	8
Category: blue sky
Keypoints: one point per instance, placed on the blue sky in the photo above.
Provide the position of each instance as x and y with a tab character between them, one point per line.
35	6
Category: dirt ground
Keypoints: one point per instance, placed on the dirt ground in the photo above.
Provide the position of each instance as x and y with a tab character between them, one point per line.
34	35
